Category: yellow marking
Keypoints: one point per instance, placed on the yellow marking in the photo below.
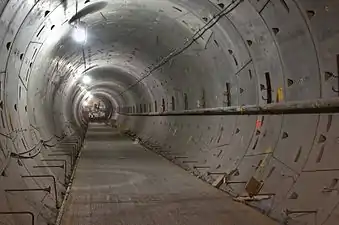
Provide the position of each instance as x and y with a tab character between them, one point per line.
280	95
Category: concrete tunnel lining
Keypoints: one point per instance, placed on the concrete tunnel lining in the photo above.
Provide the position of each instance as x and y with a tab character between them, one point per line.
261	52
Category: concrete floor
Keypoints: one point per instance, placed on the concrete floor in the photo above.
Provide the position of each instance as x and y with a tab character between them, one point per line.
119	182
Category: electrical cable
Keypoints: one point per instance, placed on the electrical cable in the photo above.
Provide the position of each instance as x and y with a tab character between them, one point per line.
15	155
30	150
21	155
50	146
49	139
229	8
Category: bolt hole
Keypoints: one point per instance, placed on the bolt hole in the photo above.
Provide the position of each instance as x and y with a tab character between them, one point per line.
322	139
329	75
8	45
21	56
294	195
275	30
87	1
52	27
285	135
15	107
47	12
176	8
290	82
334	182
310	13
249	42
221	5
205	19
4	174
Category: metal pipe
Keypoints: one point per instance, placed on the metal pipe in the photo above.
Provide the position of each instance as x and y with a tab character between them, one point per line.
316	106
5	135
236	182
54	184
320	170
29	189
72	153
201	167
59	160
20	212
62	154
65	154
264	194
180	157
288	212
51	166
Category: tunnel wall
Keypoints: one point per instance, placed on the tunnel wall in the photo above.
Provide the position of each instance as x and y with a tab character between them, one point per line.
27	127
290	45
294	43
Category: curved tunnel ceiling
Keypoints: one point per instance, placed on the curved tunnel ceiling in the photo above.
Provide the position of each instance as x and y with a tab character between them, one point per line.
174	55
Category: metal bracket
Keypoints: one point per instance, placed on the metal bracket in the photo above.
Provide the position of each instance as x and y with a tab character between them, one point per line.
289	212
201	167
54	183
20	212
57	160
48	189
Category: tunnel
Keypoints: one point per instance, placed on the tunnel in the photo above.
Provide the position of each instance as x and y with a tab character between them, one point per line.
232	102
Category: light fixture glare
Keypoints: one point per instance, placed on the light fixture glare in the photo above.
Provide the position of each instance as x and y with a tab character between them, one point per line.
80	35
86	79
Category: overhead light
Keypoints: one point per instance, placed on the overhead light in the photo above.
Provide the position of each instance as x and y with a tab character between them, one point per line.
80	34
86	79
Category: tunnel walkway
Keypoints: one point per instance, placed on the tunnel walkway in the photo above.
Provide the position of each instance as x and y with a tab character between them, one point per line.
117	181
